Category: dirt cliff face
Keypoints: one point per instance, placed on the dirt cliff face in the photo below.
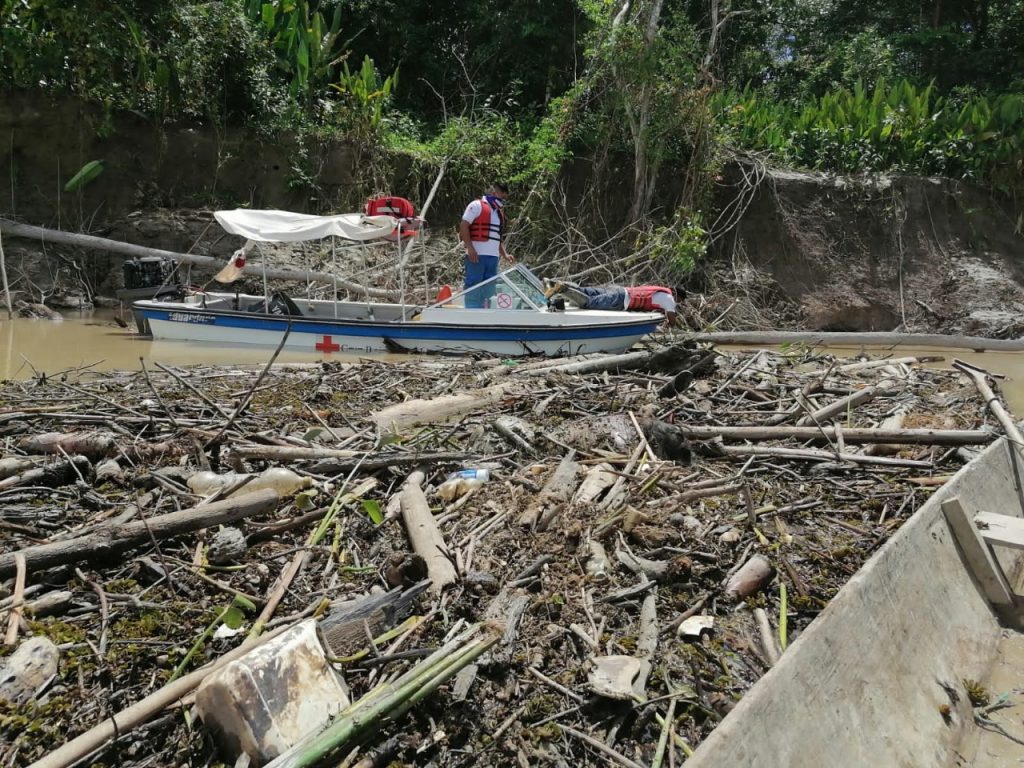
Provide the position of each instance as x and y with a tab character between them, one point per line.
879	253
798	250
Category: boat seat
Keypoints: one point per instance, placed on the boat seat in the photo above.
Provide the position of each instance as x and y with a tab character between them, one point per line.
978	535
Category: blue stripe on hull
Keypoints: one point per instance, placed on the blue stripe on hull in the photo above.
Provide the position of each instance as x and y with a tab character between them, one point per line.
409	332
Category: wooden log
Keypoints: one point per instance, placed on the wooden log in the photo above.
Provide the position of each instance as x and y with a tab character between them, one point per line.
15	229
890	423
52	475
753	576
555	493
812	454
114	539
93	445
395	419
344	628
869	364
14	465
879	435
604	363
340	458
825	339
14	620
993	403
424	534
841	405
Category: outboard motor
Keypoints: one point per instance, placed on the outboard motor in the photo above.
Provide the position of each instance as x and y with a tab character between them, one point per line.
147	272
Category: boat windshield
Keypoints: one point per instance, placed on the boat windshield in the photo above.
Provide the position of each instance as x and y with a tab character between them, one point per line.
515	288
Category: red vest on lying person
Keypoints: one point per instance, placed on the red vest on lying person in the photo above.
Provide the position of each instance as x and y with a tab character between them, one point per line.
640	297
482	228
396	207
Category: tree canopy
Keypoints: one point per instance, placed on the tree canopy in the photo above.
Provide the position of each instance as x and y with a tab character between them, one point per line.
520	88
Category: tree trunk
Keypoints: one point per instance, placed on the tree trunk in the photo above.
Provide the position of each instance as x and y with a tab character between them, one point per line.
118	539
15	229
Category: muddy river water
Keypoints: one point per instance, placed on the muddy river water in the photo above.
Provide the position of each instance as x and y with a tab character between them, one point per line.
94	341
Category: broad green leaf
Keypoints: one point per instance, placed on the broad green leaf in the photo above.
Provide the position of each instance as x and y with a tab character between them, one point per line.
372	509
234	617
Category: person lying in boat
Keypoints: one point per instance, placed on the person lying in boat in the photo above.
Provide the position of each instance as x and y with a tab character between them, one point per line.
633	298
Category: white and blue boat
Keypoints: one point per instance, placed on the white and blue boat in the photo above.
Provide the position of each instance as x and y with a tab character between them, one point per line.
516	317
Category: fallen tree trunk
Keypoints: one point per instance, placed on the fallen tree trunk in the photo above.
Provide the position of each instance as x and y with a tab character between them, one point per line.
850	434
14	229
813	454
117	539
825	339
340	460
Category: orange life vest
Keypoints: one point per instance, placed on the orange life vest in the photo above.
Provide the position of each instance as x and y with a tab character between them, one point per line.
640	298
482	229
396	207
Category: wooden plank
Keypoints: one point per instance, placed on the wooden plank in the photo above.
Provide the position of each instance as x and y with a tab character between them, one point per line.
979	559
1001	530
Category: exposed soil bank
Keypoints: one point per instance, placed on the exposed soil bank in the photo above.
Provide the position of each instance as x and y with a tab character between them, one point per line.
799	250
875	254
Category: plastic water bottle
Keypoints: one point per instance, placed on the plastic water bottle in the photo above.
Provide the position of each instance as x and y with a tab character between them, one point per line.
483	475
462	482
281	479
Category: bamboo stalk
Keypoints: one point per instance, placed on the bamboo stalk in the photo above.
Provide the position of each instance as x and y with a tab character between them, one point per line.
993	403
390	700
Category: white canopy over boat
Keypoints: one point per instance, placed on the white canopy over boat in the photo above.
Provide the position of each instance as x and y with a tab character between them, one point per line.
287	227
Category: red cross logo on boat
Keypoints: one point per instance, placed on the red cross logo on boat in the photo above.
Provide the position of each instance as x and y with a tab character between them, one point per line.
327	345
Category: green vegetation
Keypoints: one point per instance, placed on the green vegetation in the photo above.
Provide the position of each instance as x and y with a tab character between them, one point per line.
649	94
888	127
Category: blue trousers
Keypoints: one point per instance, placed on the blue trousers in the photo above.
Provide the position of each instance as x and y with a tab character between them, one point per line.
610	297
485	267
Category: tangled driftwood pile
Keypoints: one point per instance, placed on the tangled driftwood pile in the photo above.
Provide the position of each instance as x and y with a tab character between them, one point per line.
655	531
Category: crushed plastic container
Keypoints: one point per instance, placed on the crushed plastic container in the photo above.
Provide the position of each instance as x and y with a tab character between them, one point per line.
462	482
281	479
265	702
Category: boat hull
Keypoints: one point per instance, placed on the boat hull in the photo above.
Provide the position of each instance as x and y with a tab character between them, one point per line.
464	333
877	678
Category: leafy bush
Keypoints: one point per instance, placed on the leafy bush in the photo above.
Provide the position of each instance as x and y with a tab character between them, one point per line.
890	127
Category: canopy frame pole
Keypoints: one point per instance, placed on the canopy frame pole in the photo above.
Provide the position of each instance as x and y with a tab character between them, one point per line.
334	270
266	290
401	273
363	257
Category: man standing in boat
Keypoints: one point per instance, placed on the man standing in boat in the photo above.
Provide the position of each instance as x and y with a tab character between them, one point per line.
481	230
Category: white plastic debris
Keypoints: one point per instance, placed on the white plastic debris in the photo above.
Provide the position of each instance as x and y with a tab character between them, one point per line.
695	626
266	701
